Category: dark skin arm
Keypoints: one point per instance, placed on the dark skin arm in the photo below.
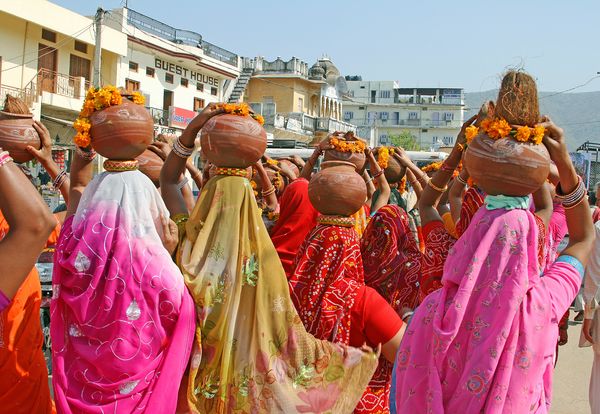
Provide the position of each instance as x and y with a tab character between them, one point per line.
543	204
384	187
312	161
456	194
271	199
175	166
579	218
414	182
431	197
30	224
44	157
81	175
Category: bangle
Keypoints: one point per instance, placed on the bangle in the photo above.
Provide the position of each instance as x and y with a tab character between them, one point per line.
436	188
414	182
266	193
377	174
572	199
59	180
5	158
569	207
182	183
86	155
461	180
423	178
460	147
407	314
446	167
181	150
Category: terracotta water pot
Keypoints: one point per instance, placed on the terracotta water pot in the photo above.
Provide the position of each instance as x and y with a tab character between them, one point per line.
337	189
507	166
394	172
150	164
233	141
16	133
121	132
291	166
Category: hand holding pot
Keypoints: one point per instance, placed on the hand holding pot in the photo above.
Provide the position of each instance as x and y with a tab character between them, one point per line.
188	136
461	138
554	140
44	154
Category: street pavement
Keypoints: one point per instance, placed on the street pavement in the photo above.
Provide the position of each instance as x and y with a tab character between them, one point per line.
572	375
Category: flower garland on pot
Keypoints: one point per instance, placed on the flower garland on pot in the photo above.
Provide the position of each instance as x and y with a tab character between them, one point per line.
499	128
97	99
342	145
242	109
383	156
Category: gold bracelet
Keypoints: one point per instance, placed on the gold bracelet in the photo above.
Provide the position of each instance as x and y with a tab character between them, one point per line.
436	188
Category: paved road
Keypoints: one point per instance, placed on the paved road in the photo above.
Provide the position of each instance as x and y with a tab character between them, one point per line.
572	376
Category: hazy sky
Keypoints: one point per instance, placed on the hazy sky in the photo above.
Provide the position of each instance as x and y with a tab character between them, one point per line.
451	43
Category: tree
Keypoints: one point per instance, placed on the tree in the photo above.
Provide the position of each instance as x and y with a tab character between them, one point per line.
405	140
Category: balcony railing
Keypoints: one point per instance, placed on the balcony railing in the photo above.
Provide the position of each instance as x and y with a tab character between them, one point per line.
219	53
27	95
61	84
332	125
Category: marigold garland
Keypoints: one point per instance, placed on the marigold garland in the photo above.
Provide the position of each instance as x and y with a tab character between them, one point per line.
499	128
383	156
97	99
242	109
402	186
433	167
342	145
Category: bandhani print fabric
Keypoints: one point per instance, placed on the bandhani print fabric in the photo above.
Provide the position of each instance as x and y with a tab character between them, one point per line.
252	353
122	321
392	264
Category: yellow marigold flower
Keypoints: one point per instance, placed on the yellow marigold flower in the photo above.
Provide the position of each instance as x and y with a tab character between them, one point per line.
82	140
485	124
434	166
471	132
259	119
271	161
138	98
383	157
523	134
90	94
82	125
499	129
253	184
538	134
402	185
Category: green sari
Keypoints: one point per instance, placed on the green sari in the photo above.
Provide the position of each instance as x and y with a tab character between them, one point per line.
251	352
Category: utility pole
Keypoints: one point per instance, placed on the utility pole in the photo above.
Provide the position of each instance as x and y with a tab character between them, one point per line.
98	47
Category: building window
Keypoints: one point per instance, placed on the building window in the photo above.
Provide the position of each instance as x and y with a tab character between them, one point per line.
184	82
198	104
149	71
131	85
133	66
214	91
384	116
348	115
383	139
300	104
79	67
448	116
448	140
361	108
413	115
80	46
49	35
169	77
200	87
385	94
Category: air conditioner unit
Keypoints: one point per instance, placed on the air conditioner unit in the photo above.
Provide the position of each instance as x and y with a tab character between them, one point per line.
384	116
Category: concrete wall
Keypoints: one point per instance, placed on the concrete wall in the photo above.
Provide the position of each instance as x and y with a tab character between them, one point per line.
285	92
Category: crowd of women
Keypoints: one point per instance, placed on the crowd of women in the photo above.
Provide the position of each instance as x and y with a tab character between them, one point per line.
433	297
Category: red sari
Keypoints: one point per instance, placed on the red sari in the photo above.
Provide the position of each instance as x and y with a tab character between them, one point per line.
327	280
297	217
392	264
472	201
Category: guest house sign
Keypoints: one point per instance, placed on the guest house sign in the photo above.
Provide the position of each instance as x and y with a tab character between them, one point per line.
185	72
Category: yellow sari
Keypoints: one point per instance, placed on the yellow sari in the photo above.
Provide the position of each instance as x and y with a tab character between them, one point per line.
251	351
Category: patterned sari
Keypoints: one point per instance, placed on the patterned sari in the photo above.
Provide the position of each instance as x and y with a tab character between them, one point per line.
472	201
252	354
122	320
392	264
24	376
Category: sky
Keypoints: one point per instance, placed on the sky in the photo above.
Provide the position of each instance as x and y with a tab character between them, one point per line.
419	43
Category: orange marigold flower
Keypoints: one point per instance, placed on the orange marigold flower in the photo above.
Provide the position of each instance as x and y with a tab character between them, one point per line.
499	129
138	98
259	119
538	134
471	132
402	185
434	166
523	134
82	140
485	124
383	157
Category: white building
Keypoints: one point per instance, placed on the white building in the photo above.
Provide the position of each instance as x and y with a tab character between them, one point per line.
433	116
177	70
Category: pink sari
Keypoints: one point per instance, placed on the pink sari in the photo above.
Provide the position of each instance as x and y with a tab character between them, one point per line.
122	319
485	342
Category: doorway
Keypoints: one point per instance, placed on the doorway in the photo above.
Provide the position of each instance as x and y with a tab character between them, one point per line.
47	61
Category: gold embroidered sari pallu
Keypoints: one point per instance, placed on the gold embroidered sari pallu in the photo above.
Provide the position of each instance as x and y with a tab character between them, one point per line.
251	352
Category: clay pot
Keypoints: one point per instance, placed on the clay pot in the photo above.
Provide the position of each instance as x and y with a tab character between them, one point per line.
233	140
122	132
356	158
291	166
506	166
337	189
150	164
272	174
394	171
16	133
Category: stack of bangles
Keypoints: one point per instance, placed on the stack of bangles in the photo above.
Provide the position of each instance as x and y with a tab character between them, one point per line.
574	198
436	188
266	193
59	180
445	167
461	180
181	150
87	155
5	158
